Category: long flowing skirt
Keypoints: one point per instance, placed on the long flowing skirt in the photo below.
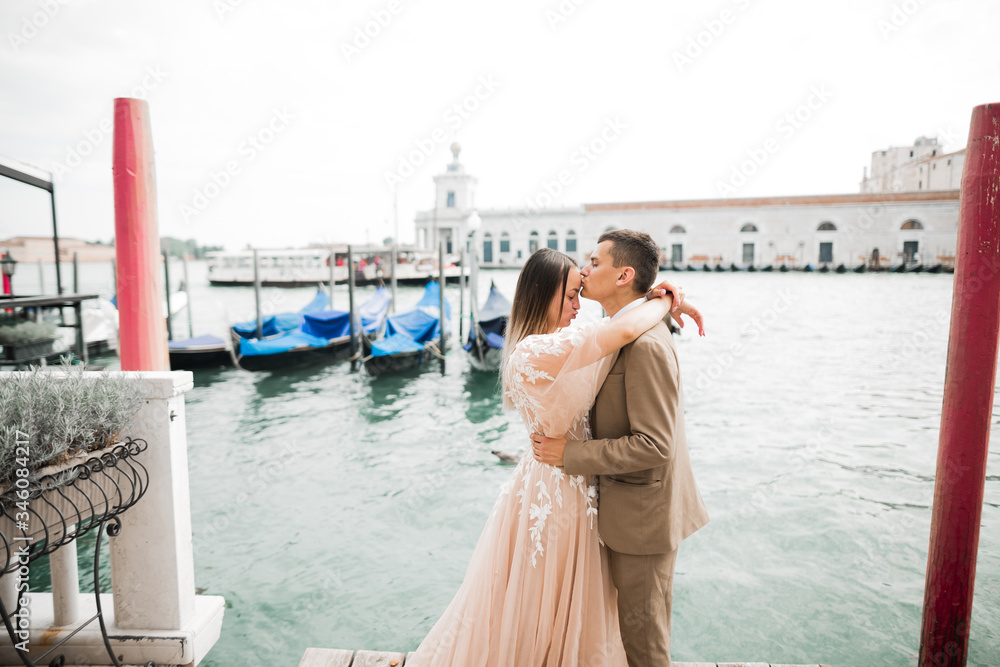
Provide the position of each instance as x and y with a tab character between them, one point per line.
537	591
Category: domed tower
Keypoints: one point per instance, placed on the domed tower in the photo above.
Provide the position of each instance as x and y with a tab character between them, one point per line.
454	201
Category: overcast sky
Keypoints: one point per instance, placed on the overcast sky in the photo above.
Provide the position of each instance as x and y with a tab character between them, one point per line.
281	123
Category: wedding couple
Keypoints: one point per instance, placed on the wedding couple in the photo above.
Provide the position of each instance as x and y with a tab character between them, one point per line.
575	565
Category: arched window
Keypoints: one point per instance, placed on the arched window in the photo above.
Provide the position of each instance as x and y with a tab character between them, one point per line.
553	242
749	227
570	241
826	227
677	229
532	242
912	224
504	242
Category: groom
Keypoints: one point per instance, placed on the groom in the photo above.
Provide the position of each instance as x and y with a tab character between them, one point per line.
649	501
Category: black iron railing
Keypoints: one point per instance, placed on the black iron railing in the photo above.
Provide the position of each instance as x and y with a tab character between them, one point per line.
39	516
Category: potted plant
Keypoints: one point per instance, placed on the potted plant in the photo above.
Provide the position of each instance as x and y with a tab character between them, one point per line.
27	340
62	452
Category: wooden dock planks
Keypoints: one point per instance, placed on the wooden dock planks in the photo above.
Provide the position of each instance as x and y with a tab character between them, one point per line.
327	657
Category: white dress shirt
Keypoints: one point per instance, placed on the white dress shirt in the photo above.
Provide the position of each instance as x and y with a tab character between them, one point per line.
629	307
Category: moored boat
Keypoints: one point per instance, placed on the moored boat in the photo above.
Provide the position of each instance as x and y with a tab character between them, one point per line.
409	337
310	336
199	352
306	267
485	341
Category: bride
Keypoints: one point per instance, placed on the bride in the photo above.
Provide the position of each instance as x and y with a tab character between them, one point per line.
538	591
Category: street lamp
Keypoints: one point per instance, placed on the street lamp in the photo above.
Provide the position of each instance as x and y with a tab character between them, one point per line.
9	265
472	224
474	221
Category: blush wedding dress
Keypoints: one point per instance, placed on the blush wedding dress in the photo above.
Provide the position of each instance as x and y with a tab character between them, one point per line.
537	592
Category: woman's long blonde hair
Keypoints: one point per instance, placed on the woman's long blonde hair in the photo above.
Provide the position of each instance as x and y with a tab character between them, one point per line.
544	275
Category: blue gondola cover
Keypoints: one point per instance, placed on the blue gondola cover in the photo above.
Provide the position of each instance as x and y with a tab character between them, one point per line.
492	320
197	341
374	309
328	324
275	324
407	332
283	343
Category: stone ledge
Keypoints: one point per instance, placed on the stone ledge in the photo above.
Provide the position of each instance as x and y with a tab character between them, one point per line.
186	647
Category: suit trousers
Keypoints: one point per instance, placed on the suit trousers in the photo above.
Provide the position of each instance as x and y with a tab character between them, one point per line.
645	597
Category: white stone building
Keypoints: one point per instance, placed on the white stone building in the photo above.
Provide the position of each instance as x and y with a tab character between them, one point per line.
915	168
849	229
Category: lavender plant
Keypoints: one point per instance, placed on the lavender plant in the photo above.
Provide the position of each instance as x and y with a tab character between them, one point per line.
26	332
63	413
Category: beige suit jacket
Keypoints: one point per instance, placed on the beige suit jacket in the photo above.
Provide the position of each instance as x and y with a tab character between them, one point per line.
649	500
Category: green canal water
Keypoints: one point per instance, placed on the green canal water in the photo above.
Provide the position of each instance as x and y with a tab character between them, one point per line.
336	510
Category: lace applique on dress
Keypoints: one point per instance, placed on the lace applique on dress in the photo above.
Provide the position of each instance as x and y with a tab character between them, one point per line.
521	376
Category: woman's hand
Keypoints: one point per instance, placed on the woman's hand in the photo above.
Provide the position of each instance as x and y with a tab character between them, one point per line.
676	290
679	306
693	313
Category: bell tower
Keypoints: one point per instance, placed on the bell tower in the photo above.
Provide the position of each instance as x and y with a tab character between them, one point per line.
454	201
455	189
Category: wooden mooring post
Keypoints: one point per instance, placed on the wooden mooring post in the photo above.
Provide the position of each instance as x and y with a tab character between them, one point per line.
166	280
441	314
142	330
963	444
350	308
256	293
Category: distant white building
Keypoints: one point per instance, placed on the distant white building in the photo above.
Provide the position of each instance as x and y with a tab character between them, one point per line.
915	168
850	229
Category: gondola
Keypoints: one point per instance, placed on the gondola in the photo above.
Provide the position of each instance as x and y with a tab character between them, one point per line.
485	342
841	268
199	352
313	335
860	268
409	337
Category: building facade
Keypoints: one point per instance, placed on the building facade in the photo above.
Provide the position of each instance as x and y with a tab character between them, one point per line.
883	228
922	166
41	249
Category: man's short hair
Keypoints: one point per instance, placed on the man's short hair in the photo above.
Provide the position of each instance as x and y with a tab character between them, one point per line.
635	249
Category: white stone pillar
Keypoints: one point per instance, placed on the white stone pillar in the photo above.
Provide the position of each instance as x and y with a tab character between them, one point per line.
65	584
152	561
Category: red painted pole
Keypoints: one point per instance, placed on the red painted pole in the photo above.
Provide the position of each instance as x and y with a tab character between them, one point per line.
141	326
968	402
